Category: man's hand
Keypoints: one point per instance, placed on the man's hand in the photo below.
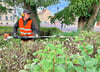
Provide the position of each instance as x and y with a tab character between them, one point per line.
15	35
36	35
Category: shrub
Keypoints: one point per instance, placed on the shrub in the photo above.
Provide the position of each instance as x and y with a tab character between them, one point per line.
49	31
56	58
43	31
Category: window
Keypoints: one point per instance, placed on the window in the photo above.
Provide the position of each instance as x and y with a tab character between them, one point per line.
11	18
14	17
0	17
4	4
10	10
6	17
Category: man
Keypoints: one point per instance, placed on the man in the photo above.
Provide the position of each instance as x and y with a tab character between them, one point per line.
26	27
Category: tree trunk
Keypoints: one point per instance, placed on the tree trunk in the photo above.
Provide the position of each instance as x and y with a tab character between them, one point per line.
81	23
34	15
93	17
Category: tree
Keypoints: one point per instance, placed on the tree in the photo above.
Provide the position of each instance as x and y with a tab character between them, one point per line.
86	10
2	9
32	5
98	18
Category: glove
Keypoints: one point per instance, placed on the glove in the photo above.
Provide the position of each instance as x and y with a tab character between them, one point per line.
15	35
36	35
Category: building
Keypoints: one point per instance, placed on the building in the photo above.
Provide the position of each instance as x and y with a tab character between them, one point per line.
8	19
19	11
44	15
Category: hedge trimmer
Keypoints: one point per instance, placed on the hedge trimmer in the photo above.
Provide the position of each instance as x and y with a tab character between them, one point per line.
7	37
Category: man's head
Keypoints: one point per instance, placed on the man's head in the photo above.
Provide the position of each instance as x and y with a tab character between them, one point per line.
26	14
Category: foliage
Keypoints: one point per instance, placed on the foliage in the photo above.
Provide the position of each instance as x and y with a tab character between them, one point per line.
81	8
3	9
77	8
65	16
74	54
73	33
37	3
56	58
80	53
98	17
49	31
48	59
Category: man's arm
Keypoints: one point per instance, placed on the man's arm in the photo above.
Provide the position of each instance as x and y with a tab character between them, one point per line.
34	28
16	27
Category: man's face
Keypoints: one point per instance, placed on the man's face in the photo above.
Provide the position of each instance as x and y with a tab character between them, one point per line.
26	16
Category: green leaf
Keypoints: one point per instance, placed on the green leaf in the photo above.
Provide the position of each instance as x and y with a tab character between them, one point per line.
59	51
23	71
75	61
35	53
59	69
59	45
36	60
27	1
91	69
81	47
98	51
89	49
41	54
79	69
60	60
76	39
37	68
84	43
32	67
51	55
91	62
27	66
51	46
81	39
98	69
44	55
83	53
69	64
81	62
97	56
46	64
45	50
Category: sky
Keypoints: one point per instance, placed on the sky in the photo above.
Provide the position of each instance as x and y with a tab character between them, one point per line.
61	6
52	8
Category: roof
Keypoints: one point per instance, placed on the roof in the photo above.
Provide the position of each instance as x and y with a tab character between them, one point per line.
43	11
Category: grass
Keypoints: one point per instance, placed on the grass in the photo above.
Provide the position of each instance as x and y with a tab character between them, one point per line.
4	29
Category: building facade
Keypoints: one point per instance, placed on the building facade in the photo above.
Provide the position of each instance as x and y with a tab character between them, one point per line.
9	18
44	15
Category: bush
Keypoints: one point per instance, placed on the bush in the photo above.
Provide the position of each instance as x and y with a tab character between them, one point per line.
56	58
82	52
43	31
49	31
5	30
73	33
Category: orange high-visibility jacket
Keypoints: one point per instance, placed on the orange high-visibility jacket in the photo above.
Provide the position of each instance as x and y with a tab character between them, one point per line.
25	30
